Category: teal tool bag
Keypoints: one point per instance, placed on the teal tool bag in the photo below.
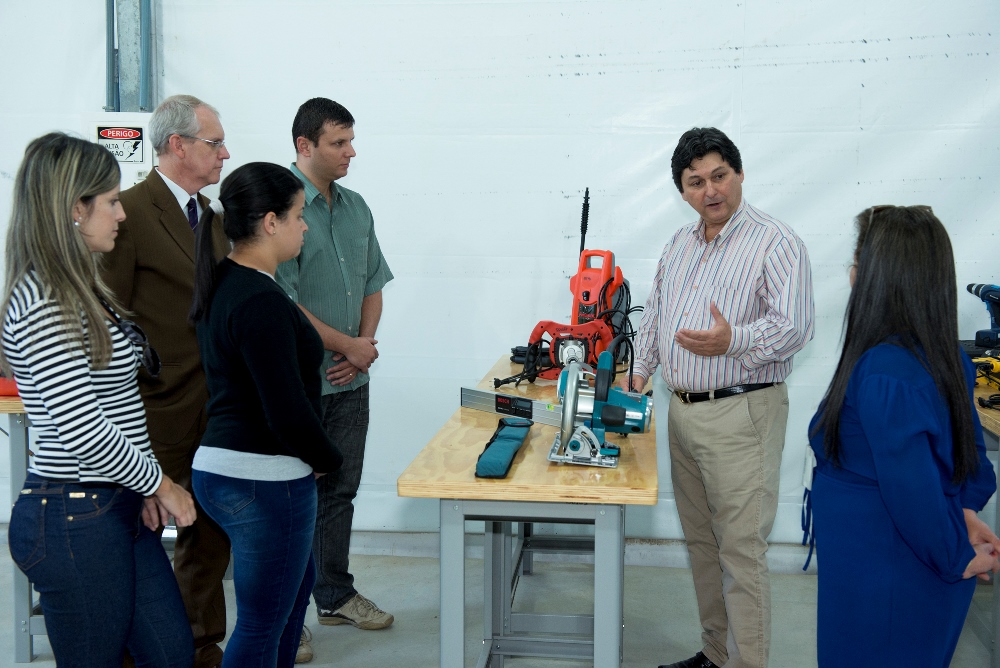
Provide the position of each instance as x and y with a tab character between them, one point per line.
499	452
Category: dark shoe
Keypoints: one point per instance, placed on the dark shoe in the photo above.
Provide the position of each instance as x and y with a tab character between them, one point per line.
696	661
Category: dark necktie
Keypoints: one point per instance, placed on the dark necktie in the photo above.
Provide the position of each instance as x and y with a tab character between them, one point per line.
192	213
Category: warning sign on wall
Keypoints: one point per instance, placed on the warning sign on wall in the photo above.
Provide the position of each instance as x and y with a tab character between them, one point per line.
125	143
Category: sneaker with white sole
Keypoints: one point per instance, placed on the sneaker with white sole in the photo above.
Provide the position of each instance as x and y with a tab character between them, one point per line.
305	652
359	612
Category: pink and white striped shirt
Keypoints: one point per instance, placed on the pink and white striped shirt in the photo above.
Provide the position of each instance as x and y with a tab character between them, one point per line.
757	272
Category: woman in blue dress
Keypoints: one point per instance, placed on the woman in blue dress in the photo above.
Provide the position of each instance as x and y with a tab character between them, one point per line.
901	469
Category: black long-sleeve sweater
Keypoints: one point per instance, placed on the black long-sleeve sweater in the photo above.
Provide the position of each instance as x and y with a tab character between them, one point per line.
261	358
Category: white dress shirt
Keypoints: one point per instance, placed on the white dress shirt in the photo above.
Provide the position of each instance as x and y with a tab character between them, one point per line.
183	196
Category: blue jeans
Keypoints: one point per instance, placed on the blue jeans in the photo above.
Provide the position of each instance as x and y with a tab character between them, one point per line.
103	578
270	525
345	418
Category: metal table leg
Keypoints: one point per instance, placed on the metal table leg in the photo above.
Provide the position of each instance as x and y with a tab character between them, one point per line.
989	633
609	574
994	646
596	637
452	584
497	564
527	560
23	646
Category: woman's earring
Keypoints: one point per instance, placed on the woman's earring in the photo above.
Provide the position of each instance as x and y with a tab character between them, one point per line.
77	223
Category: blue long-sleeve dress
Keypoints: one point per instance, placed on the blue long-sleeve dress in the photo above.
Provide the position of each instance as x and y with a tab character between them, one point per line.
891	537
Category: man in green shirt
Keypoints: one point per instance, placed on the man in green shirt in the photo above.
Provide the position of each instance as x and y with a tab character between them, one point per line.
337	281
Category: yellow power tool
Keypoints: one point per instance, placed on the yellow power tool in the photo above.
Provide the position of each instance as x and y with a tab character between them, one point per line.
987	369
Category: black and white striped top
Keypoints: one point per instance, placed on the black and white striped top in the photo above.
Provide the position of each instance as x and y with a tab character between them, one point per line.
90	424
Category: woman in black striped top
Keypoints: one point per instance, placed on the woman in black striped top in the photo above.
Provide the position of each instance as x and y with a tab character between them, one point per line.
83	527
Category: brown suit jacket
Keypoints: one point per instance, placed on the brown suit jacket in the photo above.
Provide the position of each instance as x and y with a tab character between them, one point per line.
151	270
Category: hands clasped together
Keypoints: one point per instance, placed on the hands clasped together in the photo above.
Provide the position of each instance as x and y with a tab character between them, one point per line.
357	358
987	547
169	499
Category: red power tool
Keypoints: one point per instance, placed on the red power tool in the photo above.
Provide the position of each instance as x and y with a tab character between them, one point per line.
580	342
601	309
594	285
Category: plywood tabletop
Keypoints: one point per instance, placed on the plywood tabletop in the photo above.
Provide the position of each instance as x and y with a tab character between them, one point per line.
445	468
990	417
11	405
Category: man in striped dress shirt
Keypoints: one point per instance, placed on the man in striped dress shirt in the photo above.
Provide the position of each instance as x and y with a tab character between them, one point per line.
731	303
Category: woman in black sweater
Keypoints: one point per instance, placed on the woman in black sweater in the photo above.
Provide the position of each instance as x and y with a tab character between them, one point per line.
254	472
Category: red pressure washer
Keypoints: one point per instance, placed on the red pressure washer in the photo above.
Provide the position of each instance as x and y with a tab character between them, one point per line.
601	309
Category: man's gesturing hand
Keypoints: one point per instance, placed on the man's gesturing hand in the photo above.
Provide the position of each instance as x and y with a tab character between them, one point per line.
707	342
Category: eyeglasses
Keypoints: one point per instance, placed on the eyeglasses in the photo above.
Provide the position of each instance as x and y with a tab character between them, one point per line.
216	143
878	208
135	335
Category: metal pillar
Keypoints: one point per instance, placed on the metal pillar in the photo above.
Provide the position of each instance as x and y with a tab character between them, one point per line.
129	54
130	66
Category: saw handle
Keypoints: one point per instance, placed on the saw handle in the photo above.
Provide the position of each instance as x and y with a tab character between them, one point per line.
612	415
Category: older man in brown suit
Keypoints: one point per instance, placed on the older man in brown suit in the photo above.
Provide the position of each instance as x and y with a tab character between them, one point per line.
152	271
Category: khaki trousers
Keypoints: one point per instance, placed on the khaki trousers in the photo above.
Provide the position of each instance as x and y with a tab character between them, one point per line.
725	457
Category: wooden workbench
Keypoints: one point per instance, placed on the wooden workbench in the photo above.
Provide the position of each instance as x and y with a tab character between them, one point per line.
989	417
445	468
535	490
10	405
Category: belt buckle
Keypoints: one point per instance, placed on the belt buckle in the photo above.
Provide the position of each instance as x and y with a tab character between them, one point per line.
683	396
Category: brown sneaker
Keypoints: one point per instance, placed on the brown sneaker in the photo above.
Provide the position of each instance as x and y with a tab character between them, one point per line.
359	612
305	652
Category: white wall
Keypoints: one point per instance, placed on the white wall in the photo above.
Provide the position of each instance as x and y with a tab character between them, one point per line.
480	124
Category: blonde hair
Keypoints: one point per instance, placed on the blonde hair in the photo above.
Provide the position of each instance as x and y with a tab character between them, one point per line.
58	171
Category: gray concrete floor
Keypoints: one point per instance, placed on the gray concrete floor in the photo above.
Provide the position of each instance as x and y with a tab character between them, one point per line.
661	621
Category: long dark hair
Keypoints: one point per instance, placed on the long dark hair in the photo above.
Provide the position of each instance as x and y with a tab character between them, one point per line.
905	294
247	195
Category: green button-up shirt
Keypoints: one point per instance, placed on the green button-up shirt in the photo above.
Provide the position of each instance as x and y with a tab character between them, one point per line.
340	264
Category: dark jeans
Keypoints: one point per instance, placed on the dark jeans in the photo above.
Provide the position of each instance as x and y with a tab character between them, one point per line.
345	418
104	580
270	526
201	554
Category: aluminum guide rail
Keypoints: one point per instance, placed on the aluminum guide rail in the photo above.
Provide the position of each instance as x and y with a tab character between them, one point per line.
509	404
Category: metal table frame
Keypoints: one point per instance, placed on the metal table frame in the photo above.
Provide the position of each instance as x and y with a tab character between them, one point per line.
28	620
507	633
987	632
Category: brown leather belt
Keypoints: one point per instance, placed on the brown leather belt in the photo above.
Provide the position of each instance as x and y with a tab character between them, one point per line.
722	393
